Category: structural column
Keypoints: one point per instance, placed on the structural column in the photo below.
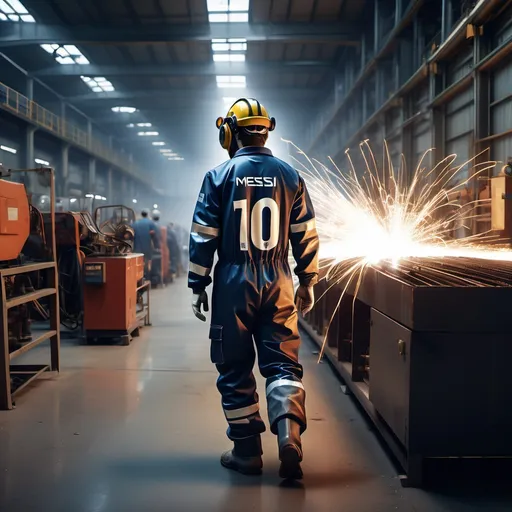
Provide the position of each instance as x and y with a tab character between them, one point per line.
28	163
91	182
89	133
64	170
110	198
29	92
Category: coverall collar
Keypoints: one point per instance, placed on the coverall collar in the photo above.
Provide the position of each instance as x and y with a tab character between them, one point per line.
253	150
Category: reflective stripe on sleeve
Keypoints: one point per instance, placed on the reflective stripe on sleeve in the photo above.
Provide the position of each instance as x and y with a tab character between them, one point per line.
234	414
204	230
199	270
303	226
283	382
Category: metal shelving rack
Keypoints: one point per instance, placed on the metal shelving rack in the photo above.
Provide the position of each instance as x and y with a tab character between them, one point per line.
13	378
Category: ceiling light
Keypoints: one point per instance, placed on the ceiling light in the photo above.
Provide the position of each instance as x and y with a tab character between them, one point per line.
8	149
158	143
238	5
62	52
131	125
90	196
109	88
97	197
148	134
228	57
145	125
238	17
42	162
103	198
84	78
134	201
155	206
82	60
165	151
124	110
18	6
72	200
65	60
72	49
97	89
231	81
6	8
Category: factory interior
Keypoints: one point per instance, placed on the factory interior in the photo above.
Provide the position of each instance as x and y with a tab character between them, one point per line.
396	114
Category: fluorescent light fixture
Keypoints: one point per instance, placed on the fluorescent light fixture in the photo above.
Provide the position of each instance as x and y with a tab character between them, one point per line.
134	201
62	52
42	162
231	81
8	149
176	159
155	206
103	198
18	6
144	125
86	79
90	196
164	151
148	134
158	143
72	200
228	57
97	197
124	110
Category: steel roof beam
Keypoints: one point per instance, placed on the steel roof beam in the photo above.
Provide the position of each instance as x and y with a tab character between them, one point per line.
19	34
179	69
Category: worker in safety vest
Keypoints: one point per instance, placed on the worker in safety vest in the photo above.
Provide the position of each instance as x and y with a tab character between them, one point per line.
249	209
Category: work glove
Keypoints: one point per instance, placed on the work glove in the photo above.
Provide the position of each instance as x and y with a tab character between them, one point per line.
305	299
198	300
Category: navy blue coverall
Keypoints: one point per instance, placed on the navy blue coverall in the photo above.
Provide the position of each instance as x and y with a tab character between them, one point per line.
146	240
248	210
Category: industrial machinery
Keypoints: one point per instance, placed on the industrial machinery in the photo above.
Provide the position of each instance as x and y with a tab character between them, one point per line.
113	277
425	348
28	284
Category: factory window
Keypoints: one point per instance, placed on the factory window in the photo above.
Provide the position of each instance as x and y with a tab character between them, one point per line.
229	45
98	83
228	11
14	10
148	134
231	81
67	54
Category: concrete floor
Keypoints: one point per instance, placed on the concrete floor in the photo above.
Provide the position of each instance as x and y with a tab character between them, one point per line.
140	428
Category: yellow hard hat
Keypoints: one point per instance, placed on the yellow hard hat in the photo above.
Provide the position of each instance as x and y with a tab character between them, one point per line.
243	113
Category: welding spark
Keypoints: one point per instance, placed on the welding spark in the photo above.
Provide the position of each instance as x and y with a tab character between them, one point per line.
369	215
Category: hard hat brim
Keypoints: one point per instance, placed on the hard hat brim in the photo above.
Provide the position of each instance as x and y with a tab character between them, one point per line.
255	121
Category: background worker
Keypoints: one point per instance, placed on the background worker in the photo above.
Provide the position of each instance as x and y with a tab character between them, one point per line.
146	240
249	209
156	262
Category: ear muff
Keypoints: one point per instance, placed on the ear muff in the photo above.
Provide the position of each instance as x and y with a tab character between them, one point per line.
272	124
227	127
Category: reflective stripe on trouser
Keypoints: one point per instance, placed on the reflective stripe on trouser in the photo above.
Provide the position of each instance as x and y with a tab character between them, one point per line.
253	308
286	399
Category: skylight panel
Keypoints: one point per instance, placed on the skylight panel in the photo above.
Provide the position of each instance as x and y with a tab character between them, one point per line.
3	17
239	5
6	8
148	134
238	17
98	83
231	81
67	54
218	17
18	6
228	57
217	5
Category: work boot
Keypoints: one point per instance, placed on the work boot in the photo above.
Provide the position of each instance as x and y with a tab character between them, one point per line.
245	457
290	449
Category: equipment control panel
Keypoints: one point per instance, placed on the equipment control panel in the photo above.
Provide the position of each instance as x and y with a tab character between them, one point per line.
94	273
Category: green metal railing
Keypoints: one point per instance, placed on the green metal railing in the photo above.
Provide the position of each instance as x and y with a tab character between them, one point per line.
23	107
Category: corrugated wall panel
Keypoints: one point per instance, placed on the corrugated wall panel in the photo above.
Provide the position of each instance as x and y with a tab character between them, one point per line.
501	112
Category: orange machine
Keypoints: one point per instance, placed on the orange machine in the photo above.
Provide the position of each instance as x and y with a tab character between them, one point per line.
111	285
14	219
